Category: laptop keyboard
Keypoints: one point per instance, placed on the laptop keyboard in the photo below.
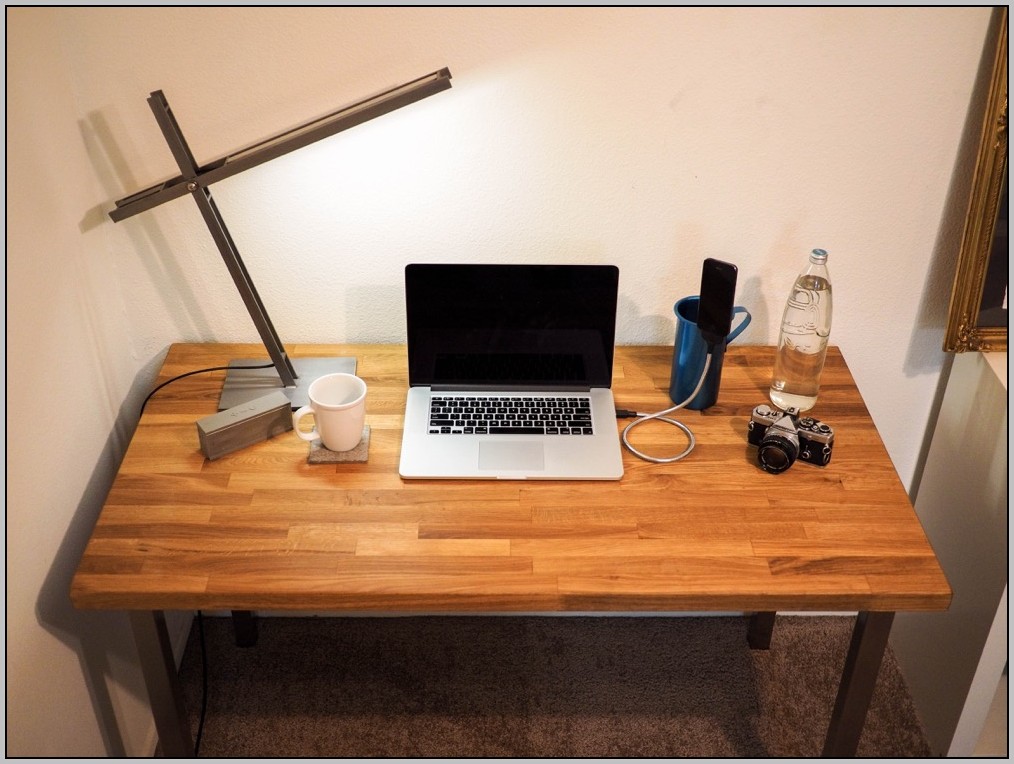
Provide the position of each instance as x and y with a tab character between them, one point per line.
506	415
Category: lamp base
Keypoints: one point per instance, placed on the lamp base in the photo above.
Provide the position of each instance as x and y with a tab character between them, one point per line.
244	385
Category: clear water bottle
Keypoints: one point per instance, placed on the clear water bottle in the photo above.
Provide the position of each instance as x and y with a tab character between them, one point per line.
802	342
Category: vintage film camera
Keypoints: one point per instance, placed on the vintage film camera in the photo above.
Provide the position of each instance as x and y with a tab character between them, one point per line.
783	436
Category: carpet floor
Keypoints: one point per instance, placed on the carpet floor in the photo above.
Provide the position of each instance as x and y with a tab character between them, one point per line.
465	686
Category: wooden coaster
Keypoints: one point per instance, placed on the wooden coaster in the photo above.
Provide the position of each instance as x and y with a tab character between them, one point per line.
360	453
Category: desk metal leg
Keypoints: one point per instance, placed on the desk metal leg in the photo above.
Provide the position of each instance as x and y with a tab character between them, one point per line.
758	635
862	665
162	681
244	625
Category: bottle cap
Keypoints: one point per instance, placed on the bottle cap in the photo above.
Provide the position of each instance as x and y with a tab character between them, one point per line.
818	256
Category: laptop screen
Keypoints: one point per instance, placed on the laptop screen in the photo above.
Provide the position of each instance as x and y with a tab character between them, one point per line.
511	326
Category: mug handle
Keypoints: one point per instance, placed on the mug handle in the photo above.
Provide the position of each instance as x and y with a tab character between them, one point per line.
296	416
742	325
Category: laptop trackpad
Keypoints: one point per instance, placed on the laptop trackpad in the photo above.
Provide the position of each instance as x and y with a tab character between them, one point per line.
504	455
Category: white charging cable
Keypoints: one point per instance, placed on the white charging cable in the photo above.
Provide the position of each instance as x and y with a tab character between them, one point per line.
662	416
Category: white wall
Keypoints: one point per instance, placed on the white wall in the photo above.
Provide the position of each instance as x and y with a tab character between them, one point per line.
649	138
963	503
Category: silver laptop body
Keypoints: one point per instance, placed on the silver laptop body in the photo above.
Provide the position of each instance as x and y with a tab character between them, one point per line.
510	369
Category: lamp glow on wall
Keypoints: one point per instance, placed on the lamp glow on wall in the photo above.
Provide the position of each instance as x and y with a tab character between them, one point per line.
291	375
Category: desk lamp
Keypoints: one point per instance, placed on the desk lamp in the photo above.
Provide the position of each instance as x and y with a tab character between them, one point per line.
292	375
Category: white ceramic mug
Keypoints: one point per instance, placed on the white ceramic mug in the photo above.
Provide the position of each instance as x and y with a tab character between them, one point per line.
338	404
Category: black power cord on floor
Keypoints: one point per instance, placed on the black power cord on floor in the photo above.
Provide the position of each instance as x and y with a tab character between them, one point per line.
204	684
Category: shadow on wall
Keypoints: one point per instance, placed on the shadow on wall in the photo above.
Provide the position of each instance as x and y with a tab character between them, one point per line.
153	248
636	328
654	329
926	343
375	314
750	294
925	354
102	640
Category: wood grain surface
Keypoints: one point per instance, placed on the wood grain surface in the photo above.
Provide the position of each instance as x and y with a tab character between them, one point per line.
261	529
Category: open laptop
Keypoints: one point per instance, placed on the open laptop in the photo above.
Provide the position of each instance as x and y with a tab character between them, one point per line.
509	370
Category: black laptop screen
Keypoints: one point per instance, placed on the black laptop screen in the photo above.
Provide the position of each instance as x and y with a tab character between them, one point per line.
511	326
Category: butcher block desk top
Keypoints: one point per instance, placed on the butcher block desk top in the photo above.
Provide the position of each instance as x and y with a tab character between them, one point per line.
261	529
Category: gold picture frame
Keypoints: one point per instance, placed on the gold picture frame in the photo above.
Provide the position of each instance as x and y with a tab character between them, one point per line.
977	318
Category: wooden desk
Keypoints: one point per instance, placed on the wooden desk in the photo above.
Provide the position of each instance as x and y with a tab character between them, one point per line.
261	529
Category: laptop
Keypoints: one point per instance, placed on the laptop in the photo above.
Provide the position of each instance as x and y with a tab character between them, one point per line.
509	372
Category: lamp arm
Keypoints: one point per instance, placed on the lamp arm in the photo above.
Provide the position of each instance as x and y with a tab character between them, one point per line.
242	383
244	284
223	240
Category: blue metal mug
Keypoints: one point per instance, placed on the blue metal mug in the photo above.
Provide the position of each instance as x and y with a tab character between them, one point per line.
690	352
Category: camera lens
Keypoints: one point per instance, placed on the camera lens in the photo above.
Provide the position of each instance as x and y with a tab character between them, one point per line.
776	453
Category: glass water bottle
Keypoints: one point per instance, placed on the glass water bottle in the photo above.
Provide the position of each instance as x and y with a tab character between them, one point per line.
802	342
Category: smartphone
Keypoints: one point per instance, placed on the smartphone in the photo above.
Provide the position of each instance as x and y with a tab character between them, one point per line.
718	294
